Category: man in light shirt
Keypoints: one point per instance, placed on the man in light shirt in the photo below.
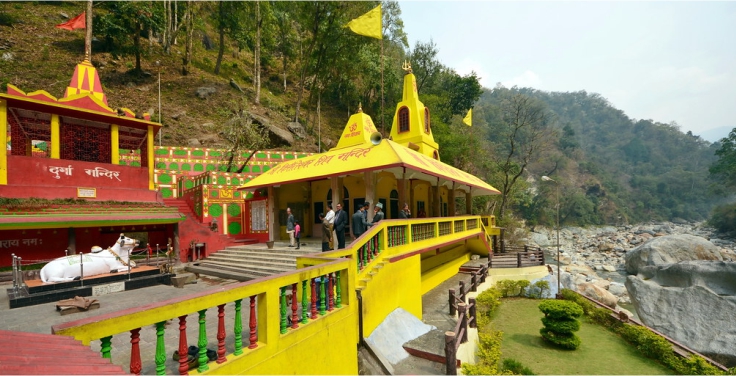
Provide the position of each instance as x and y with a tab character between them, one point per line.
330	218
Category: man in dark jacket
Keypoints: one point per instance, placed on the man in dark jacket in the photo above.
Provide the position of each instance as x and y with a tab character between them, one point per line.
341	221
360	224
405	213
290	226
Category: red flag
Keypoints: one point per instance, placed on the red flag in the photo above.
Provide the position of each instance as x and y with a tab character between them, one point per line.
78	22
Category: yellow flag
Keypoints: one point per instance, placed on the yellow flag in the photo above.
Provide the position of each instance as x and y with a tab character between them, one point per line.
369	24
469	118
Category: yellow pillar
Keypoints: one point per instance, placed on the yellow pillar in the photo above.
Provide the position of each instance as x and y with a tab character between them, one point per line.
3	142
151	164
224	219
451	200
115	144
55	137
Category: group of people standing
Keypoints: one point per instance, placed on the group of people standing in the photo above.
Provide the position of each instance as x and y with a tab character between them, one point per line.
337	220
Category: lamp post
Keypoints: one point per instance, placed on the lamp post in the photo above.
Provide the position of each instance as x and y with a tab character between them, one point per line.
557	185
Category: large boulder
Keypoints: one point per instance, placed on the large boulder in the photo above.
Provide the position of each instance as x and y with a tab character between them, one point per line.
692	302
670	249
598	293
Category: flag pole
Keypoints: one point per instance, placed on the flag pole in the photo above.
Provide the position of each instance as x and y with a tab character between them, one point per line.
383	128
88	33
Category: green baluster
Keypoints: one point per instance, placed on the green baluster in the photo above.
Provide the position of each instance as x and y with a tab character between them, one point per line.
202	343
338	298
305	303
283	310
160	349
238	328
106	347
322	287
365	255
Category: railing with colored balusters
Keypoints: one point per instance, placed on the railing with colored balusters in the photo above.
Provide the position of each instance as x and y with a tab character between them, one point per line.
304	296
281	304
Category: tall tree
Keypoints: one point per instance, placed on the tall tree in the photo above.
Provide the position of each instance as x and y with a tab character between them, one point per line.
724	169
125	21
189	25
522	133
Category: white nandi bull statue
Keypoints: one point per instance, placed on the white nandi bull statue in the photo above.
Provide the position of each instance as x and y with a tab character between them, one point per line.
100	261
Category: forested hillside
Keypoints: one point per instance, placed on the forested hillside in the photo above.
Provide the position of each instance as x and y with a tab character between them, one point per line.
293	66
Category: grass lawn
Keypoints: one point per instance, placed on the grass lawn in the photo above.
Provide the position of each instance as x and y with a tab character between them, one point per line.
601	352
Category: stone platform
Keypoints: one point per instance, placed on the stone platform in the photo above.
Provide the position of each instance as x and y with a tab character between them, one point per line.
36	292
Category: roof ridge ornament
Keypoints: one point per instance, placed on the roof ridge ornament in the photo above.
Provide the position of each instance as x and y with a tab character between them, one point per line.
360	107
406	67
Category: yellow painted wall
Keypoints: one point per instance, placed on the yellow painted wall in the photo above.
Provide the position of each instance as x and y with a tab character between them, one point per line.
396	285
421	193
297	192
439	268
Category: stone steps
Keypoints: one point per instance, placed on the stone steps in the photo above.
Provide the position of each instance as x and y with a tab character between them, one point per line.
244	263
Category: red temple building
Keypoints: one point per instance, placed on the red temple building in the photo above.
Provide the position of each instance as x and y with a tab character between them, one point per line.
68	152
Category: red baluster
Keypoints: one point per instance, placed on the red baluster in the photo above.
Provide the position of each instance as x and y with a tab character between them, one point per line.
294	307
375	245
183	350
330	293
253	337
135	352
221	334
314	299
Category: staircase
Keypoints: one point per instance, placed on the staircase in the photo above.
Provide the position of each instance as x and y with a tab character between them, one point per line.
47	354
244	263
192	230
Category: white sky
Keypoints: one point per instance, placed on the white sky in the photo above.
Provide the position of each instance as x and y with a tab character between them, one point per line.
665	61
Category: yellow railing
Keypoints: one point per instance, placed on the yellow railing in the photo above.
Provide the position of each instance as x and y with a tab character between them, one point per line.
269	326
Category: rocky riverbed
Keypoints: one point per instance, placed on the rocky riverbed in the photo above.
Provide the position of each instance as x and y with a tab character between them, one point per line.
593	258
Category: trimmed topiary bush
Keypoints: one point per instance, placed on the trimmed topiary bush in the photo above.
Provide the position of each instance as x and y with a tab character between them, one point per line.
560	323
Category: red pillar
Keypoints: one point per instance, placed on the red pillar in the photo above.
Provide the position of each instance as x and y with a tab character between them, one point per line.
135	352
253	337
183	350
221	334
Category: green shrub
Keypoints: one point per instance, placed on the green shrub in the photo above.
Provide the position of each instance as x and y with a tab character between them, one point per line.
516	368
560	323
560	309
538	289
565	341
488	354
586	304
561	326
486	304
723	218
507	287
522	284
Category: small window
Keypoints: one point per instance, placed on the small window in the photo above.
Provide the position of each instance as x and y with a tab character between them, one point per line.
403	119
426	120
436	155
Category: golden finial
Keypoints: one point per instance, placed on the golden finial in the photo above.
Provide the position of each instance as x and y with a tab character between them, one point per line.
360	107
406	67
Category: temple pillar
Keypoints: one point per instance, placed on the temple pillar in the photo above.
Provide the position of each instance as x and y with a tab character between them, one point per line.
412	203
273	212
401	189
469	202
3	141
115	144
150	164
451	201
71	241
435	189
55	137
369	179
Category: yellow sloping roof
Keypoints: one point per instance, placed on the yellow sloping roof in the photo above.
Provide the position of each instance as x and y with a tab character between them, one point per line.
387	155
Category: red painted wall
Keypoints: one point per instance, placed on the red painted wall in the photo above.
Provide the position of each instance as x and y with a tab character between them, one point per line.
36	246
32	245
60	178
